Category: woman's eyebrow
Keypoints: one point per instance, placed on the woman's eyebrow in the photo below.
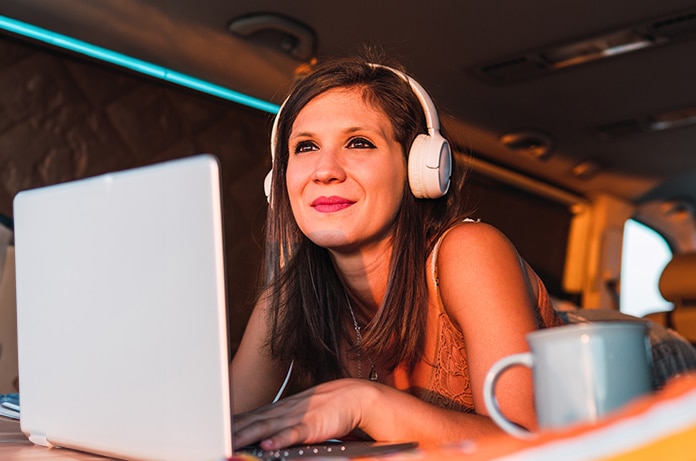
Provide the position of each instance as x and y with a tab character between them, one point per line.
349	130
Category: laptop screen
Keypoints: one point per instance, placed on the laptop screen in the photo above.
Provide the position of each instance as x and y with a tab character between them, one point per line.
122	329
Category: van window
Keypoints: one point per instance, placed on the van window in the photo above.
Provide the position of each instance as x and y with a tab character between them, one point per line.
645	254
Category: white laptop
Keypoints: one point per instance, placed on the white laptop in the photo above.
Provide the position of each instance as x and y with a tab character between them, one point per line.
121	314
122	328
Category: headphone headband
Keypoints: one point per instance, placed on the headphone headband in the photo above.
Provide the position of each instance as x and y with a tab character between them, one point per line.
431	119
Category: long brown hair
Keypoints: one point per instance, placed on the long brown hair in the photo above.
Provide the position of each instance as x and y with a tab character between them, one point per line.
308	314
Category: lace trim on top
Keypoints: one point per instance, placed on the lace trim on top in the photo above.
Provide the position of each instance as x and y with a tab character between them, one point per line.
450	386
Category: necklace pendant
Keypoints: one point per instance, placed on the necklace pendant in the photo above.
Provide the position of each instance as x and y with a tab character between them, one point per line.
373	373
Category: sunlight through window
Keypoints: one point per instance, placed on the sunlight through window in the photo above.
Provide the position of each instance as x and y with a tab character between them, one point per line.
645	254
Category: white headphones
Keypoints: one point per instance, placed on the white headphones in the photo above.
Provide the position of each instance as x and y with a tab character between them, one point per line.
430	156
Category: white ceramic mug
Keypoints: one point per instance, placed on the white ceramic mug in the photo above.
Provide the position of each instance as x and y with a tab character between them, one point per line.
580	372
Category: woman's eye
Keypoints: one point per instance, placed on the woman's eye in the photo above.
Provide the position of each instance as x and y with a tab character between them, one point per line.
305	146
360	143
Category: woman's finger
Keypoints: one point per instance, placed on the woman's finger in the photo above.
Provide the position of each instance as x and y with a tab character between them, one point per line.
292	435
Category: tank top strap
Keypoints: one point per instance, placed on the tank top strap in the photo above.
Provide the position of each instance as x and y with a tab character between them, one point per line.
433	263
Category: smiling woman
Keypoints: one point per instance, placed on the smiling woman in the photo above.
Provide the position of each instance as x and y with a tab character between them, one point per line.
344	158
363	270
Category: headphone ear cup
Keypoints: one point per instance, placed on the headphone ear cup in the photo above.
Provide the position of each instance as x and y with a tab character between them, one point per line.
267	183
429	166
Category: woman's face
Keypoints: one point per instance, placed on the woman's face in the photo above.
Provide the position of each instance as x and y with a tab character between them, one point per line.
346	172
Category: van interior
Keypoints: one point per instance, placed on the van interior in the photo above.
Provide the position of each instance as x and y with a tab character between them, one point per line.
577	120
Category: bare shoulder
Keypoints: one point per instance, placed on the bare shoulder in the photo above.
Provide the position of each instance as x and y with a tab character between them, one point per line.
478	266
474	239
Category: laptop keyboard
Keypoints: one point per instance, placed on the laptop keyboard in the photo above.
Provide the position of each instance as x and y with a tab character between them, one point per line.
351	449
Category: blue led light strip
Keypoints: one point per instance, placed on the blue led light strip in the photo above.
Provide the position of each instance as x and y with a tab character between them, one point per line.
137	65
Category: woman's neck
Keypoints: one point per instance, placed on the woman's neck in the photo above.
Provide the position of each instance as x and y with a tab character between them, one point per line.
365	275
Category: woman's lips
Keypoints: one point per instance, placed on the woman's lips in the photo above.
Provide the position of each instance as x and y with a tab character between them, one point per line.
331	204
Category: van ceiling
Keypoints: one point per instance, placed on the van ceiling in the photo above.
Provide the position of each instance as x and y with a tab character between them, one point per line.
489	65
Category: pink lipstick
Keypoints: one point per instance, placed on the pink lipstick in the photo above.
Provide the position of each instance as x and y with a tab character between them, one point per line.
331	204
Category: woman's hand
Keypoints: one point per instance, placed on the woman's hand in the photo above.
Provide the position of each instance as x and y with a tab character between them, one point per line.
329	410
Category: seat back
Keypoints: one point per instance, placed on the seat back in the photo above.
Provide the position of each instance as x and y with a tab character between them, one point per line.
678	280
678	286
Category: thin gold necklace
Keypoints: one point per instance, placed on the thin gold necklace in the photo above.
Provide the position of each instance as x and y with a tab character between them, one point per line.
358	340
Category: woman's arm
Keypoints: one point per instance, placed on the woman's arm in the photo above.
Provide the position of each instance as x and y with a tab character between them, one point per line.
487	294
255	377
334	409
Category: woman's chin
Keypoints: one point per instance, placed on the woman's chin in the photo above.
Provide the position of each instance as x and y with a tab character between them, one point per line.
330	238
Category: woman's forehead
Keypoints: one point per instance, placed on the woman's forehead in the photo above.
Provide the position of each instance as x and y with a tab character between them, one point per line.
344	104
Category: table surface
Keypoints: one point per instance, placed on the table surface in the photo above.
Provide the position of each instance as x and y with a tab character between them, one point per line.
15	446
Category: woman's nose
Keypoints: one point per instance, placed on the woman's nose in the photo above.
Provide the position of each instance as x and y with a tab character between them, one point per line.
328	167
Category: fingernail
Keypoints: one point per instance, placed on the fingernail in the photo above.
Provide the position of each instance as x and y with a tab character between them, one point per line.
267	444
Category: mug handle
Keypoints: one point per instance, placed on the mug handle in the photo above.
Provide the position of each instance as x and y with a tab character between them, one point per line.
524	359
